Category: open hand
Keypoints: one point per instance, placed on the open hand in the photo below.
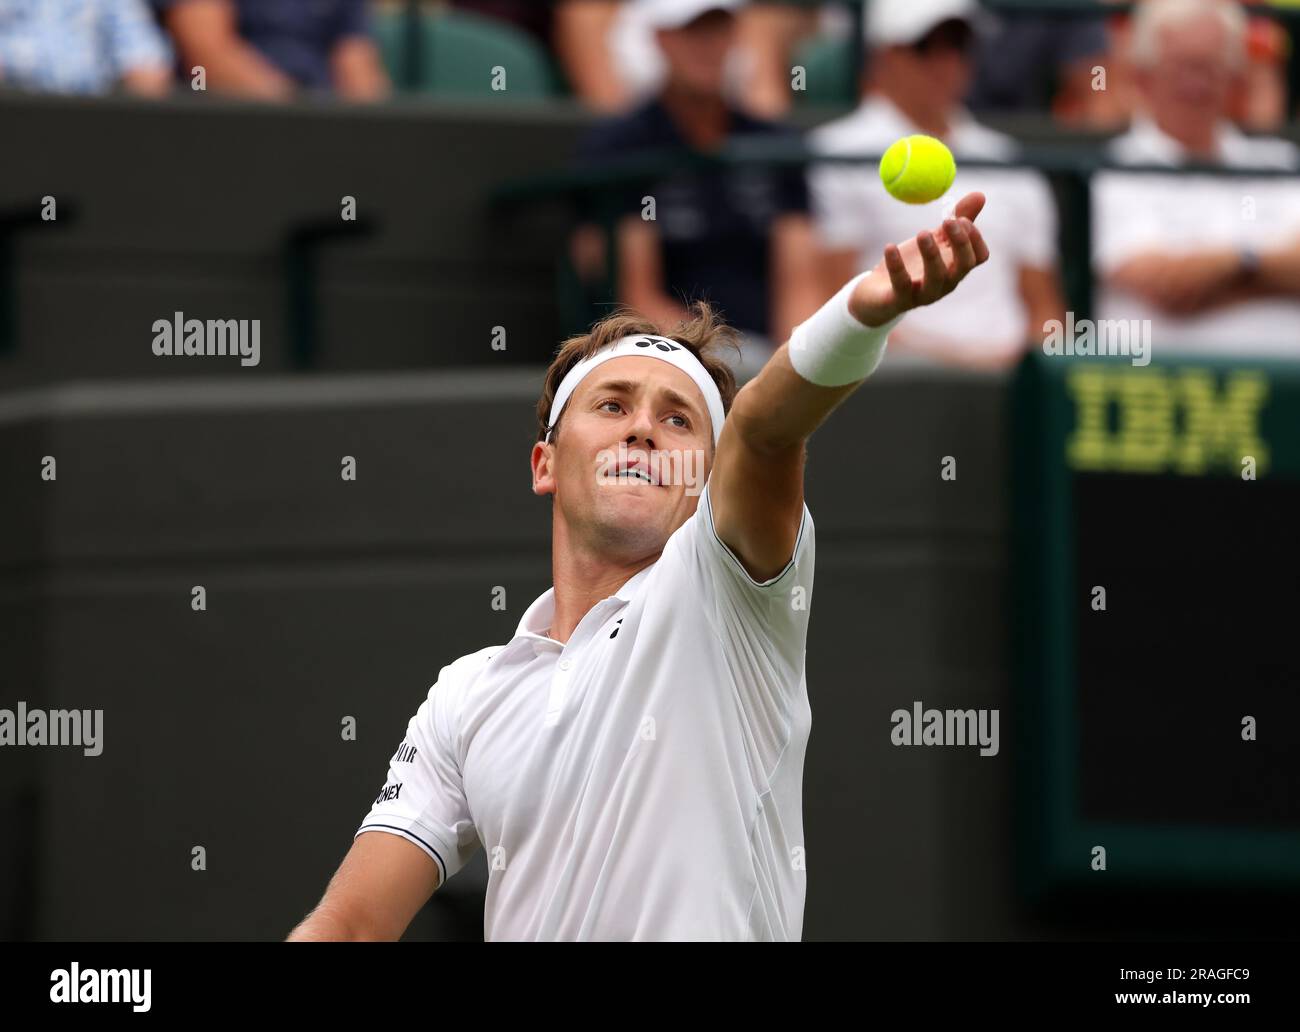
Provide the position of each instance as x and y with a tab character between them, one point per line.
924	269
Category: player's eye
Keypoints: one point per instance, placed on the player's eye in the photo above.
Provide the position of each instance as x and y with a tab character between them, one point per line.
684	424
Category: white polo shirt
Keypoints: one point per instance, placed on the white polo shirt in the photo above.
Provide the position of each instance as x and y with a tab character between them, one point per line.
1136	211
641	781
852	210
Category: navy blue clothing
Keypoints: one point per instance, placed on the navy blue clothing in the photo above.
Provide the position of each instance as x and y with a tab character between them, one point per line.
297	36
715	223
1018	65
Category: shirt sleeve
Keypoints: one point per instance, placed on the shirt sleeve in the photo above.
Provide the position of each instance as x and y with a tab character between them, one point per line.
762	625
352	20
791	182
132	37
423	797
613	140
1276	209
1124	219
839	210
794	193
1036	242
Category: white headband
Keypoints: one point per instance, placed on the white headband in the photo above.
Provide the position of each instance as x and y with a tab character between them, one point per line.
650	347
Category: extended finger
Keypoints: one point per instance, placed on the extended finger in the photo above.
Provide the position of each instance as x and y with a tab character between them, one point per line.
978	246
899	277
936	272
963	253
969	206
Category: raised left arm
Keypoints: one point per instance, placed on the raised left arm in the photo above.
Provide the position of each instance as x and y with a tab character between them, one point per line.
756	483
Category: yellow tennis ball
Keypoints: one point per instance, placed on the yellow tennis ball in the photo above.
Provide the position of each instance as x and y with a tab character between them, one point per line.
917	169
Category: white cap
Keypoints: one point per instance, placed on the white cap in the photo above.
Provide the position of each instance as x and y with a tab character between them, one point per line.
906	21
673	14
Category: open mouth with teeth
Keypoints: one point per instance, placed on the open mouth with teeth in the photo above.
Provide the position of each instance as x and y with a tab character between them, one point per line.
632	474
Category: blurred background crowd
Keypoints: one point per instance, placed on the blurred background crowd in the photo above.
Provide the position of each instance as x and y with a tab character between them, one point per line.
1211	262
411	203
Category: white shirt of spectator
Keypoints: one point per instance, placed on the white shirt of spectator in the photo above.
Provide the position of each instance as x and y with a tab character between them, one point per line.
852	210
642	781
1134	212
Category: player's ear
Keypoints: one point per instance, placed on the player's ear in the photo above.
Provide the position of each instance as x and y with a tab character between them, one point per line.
542	461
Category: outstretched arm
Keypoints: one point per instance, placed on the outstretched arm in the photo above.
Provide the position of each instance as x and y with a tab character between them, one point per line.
756	483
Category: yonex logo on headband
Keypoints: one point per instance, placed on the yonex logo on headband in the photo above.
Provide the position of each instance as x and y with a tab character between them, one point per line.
659	342
651	346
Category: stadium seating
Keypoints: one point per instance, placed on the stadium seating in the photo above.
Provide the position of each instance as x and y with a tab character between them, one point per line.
830	78
454	53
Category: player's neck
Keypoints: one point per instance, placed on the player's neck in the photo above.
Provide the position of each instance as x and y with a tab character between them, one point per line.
583	579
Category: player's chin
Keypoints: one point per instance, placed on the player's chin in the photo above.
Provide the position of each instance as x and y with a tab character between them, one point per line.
636	501
634	525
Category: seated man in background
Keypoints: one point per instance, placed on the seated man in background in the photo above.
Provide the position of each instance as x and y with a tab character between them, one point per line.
611	60
920	67
82	46
270	49
737	236
1257	100
1212	262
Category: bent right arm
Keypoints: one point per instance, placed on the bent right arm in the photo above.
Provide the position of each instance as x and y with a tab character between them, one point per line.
381	885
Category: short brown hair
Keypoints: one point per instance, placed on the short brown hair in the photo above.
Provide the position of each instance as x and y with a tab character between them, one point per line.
702	333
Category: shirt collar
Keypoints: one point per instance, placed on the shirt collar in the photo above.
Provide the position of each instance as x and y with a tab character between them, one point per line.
538	616
736	121
1148	142
877	106
965	134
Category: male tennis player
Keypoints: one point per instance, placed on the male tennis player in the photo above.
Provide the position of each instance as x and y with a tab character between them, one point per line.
631	761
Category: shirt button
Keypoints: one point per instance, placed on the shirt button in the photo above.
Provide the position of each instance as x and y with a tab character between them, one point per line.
565	664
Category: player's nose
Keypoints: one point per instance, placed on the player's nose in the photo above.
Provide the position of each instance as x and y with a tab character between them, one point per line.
641	428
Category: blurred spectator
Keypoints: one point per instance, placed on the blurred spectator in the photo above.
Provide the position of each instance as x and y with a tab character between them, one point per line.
1030	62
82	46
270	49
641	64
577	32
609	54
1212	262
770	36
582	45
535	17
1256	98
920	66
739	237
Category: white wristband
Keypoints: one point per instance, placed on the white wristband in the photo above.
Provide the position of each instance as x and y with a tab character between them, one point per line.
831	348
